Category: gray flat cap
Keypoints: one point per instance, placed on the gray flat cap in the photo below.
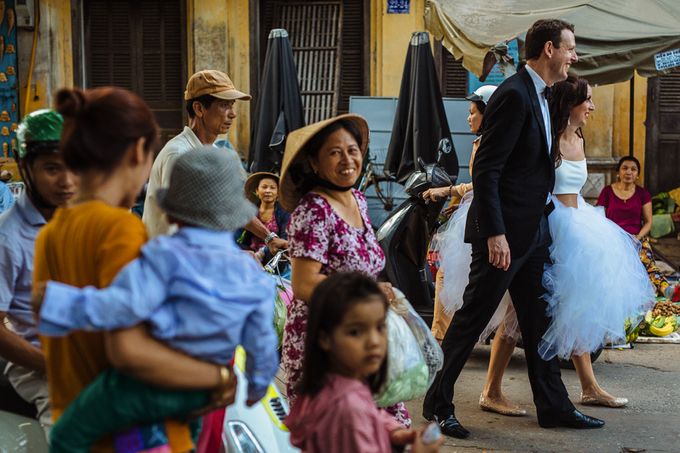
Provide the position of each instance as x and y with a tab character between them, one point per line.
206	190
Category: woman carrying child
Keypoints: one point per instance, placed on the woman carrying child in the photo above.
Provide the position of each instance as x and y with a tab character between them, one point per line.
109	138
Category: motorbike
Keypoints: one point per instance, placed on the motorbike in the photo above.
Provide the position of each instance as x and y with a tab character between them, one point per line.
405	237
256	429
19	430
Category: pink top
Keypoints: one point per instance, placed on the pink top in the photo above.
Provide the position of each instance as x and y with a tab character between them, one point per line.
626	214
317	232
341	418
257	243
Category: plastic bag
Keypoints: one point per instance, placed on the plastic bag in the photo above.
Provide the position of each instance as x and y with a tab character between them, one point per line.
413	355
281	310
433	254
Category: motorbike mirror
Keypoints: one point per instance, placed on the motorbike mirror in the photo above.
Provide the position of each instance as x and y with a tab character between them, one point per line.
444	147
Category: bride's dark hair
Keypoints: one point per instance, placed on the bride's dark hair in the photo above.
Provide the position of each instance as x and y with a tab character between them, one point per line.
565	96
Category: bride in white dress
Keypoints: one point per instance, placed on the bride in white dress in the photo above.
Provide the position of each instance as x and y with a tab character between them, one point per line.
596	280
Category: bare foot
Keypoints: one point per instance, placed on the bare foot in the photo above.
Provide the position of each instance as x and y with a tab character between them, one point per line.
500	405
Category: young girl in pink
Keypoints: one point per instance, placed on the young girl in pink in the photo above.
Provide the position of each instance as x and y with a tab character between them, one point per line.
344	364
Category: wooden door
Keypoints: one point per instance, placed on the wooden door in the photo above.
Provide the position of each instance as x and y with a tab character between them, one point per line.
662	153
139	45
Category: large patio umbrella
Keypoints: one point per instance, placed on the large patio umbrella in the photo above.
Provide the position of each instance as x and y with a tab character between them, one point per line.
279	107
420	129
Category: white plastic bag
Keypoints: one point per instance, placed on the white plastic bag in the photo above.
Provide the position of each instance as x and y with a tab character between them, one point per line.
413	355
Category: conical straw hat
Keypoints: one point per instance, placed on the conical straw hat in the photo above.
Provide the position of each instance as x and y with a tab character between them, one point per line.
292	169
253	181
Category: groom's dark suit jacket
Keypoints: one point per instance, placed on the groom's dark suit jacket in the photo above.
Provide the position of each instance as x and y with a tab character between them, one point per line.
513	171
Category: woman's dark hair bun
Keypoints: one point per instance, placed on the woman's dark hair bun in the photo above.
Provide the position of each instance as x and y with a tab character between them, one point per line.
70	102
100	126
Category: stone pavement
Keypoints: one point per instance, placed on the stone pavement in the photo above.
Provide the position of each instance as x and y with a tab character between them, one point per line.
649	376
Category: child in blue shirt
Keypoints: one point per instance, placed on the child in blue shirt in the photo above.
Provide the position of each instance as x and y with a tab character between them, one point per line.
197	291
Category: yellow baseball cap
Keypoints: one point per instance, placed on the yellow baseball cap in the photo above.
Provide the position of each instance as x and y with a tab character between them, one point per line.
214	83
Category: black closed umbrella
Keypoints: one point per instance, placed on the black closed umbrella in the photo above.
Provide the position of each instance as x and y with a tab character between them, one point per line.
420	129
279	107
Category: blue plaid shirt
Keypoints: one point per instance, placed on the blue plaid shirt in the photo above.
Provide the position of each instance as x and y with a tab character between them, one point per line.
197	290
19	226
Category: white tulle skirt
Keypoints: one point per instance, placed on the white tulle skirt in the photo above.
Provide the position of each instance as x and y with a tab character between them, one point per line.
596	281
455	257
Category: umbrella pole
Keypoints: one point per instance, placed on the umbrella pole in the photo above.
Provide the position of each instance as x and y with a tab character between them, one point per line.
631	118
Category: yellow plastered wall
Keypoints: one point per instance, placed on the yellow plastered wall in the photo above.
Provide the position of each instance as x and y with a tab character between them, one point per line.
219	38
53	67
390	35
620	121
607	133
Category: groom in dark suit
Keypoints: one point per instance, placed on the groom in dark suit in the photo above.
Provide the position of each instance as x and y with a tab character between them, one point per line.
507	226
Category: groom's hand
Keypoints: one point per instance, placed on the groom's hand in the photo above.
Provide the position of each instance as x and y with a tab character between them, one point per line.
499	252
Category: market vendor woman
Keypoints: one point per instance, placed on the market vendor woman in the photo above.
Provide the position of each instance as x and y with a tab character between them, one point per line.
262	189
630	206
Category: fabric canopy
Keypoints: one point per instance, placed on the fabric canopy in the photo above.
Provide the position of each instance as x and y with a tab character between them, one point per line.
613	37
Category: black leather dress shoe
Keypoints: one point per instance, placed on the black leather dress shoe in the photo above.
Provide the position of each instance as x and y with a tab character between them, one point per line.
450	426
574	419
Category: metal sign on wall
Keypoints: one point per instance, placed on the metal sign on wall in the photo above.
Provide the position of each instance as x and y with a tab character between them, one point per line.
398	6
667	60
9	97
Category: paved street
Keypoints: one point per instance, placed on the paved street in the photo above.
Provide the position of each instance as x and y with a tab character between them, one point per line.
649	376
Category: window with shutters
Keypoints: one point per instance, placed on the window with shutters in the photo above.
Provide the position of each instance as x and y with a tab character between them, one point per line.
326	37
454	77
662	153
138	45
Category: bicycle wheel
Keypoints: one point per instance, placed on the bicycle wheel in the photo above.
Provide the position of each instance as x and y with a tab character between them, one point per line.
382	197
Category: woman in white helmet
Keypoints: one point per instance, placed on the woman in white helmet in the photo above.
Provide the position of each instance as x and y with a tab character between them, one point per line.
452	277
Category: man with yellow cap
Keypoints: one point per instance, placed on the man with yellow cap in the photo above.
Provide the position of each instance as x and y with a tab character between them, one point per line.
211	104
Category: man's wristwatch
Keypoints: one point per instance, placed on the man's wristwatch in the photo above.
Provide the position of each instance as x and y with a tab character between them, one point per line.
270	237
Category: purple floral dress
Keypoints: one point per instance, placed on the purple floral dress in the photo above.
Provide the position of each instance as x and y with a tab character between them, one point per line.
317	232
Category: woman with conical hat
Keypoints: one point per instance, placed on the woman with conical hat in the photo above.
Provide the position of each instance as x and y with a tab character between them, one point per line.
262	189
329	229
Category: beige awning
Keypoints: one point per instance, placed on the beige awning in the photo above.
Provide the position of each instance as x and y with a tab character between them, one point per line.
613	37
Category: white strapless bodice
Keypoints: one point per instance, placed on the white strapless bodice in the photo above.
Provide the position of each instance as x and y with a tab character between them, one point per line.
570	177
